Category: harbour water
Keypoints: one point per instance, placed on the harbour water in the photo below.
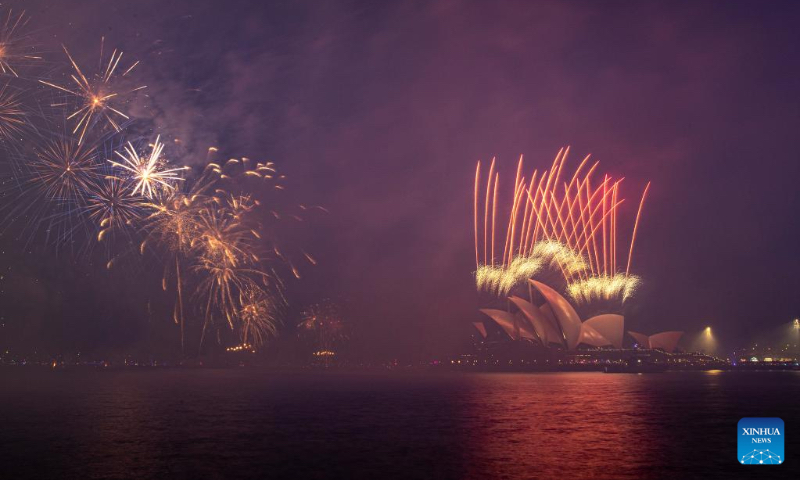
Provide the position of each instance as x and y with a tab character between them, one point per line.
249	423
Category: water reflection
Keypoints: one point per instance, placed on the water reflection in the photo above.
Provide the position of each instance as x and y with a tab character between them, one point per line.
546	425
250	424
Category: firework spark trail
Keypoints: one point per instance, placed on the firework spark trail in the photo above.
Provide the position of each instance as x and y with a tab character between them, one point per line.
486	212
582	218
591	239
614	229
477	189
494	211
604	235
178	315
635	227
530	211
512	221
536	208
522	230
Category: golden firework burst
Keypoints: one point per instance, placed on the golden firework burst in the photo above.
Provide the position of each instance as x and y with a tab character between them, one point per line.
98	95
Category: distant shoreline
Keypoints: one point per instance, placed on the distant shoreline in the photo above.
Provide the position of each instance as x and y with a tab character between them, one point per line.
371	369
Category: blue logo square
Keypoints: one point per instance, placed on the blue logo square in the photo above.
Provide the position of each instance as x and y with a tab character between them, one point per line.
760	441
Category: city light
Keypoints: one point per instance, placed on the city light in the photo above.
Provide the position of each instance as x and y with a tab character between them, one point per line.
703	341
244	347
324	353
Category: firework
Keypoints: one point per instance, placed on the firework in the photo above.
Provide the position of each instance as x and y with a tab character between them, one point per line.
12	116
216	242
258	187
110	205
617	288
63	170
501	279
224	287
98	96
211	230
257	315
14	52
171	222
222	236
213	237
150	172
214	233
47	188
171	226
557	255
227	273
322	324
576	218
635	227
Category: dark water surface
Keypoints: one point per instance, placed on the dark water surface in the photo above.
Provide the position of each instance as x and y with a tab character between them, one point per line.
247	423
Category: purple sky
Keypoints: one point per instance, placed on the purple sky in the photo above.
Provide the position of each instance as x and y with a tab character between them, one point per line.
379	110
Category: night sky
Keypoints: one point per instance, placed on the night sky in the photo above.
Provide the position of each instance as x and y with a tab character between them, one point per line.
379	110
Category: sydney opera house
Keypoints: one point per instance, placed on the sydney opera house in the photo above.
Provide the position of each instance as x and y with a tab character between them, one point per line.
555	326
562	233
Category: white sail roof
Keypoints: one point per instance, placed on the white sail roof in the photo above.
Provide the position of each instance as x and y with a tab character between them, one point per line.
480	327
667	341
609	325
590	336
642	339
541	324
525	330
514	326
504	319
566	315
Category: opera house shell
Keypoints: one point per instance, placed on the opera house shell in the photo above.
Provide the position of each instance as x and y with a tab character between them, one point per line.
557	323
666	341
